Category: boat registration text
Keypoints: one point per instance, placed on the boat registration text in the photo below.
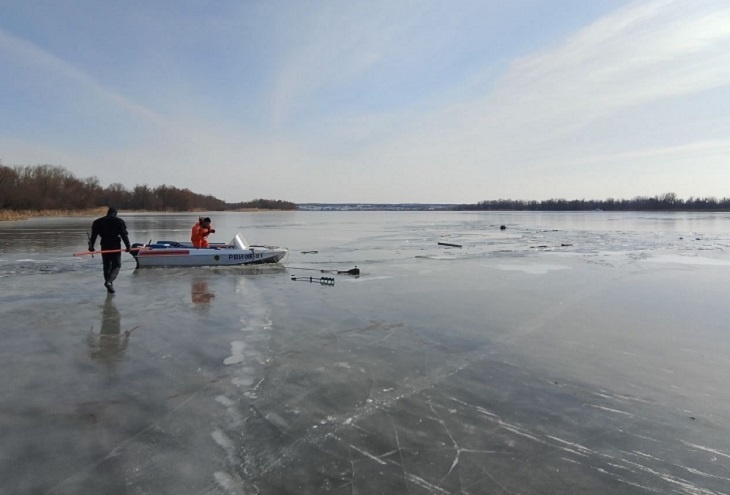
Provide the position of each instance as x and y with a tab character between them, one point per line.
249	256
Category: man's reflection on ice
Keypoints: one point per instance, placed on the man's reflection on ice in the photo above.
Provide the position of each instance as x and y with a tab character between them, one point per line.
109	346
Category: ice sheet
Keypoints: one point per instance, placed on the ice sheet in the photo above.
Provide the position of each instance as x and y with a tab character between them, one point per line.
437	371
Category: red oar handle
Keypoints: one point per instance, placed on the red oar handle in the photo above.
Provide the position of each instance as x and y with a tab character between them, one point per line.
105	251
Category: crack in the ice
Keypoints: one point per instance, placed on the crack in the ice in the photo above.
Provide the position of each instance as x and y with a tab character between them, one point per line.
402	462
369	455
382	339
351	483
457	449
488	475
114	451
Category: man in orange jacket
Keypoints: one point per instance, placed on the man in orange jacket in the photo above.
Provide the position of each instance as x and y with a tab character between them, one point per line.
200	232
195	234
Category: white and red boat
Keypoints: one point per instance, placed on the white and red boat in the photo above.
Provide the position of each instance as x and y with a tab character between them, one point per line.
236	252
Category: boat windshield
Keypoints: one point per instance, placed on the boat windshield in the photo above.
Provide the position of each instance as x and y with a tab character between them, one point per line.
239	242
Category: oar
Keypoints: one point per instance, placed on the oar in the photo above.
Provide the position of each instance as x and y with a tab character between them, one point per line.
108	251
351	271
321	280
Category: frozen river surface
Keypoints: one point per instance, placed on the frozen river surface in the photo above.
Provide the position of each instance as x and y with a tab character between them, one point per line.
568	353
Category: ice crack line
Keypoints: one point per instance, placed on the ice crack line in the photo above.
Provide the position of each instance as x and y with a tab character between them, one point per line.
402	462
457	449
115	450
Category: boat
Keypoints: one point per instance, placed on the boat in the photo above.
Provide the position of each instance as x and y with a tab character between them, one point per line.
174	253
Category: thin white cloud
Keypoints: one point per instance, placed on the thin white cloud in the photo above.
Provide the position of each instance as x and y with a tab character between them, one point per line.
331	54
641	53
173	151
644	53
336	44
29	54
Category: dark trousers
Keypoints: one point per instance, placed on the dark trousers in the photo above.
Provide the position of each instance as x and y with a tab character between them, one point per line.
112	263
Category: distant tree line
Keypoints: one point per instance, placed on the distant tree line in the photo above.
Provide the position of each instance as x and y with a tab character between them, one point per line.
263	204
48	187
667	201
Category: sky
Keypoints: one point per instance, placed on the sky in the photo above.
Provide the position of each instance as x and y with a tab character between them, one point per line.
376	101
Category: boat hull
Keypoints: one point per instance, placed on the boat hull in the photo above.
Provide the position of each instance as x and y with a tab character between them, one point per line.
171	257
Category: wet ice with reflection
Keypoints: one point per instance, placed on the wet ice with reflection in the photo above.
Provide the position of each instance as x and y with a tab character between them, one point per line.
477	369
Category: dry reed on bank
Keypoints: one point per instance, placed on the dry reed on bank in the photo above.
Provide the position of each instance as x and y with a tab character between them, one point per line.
17	215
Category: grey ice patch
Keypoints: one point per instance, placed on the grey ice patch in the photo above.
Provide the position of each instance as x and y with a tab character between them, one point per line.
226	444
228	483
688	260
245	378
532	268
237	348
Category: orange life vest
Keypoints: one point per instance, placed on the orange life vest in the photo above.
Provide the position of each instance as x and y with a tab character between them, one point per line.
195	235
199	236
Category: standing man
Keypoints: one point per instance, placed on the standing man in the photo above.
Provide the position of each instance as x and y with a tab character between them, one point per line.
111	229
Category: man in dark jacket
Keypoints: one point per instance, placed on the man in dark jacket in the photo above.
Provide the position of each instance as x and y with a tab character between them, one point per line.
111	229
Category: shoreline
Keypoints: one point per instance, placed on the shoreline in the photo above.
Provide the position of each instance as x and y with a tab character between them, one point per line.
21	215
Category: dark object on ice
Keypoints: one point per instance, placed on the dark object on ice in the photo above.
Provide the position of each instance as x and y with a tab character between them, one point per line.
321	280
448	244
351	271
502	227
565	245
109	287
310	252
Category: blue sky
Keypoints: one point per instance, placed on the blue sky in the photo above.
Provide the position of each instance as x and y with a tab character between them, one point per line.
373	101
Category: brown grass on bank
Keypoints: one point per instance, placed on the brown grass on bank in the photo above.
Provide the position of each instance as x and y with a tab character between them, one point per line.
17	215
